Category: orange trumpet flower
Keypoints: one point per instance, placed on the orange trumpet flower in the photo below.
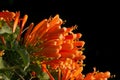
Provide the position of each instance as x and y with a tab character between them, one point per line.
52	40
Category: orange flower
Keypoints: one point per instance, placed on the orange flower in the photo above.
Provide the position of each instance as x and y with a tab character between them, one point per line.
95	75
52	40
68	69
62	50
59	47
60	44
15	17
7	16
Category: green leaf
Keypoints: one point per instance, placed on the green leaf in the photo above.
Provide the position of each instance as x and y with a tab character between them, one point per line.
25	57
3	77
40	74
5	73
5	28
44	76
1	63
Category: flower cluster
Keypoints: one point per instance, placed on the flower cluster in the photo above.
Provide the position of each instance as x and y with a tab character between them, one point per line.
46	51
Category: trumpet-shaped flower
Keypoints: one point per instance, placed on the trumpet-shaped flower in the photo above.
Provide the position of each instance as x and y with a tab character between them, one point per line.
61	47
60	44
52	40
53	47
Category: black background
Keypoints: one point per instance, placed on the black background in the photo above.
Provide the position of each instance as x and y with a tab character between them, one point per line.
96	20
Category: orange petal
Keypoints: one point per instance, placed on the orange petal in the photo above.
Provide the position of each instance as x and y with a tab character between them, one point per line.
46	70
66	46
3	40
102	75
79	43
42	30
38	26
66	74
54	28
28	32
66	54
54	20
16	21
77	72
53	36
24	21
